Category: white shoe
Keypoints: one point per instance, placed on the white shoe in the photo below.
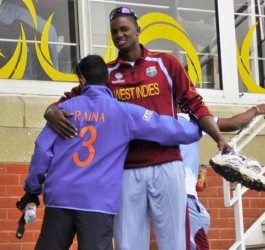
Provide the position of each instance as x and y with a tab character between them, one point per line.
239	168
252	175
228	165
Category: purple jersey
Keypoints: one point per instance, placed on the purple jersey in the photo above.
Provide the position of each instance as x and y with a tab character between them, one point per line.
86	172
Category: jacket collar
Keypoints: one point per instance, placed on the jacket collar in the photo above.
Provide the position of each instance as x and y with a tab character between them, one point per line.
96	90
144	54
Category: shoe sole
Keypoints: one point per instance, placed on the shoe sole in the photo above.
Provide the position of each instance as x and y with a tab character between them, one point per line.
256	185
228	172
234	175
251	182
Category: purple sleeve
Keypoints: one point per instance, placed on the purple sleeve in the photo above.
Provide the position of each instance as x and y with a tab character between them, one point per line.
166	130
40	161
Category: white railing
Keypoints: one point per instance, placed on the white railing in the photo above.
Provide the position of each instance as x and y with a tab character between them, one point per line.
233	192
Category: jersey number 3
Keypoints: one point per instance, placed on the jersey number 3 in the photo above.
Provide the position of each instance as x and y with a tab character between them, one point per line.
88	144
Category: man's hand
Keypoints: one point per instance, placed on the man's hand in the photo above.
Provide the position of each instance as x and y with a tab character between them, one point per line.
57	121
208	124
224	146
27	198
260	109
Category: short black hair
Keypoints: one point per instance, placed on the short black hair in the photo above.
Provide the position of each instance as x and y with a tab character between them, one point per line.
93	69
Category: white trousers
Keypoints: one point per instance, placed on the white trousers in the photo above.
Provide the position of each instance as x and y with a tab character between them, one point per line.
156	192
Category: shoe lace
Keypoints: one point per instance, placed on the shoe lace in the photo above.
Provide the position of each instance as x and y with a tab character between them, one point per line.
253	165
236	160
249	163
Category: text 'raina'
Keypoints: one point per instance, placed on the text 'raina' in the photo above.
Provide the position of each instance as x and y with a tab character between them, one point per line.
89	116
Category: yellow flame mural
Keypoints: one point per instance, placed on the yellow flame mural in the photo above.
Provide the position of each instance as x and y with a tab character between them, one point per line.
161	26
1	54
45	60
243	63
31	8
16	65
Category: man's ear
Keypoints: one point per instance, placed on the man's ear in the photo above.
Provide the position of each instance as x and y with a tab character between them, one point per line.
138	30
82	82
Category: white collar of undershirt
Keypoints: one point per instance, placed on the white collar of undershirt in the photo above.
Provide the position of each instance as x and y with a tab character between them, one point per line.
131	63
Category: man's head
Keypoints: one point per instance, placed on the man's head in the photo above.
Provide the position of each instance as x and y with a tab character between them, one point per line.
92	70
124	29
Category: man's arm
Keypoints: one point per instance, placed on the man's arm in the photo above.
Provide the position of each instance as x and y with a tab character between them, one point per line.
166	130
191	102
40	161
241	120
208	124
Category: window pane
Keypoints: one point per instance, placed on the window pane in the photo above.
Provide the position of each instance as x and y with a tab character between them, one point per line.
37	39
249	21
199	20
175	18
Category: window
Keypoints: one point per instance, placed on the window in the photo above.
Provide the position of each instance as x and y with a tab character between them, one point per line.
249	24
38	39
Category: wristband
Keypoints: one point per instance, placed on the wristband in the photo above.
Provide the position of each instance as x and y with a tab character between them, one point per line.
257	108
48	110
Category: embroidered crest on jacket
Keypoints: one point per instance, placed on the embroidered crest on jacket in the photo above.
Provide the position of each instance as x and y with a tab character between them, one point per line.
151	71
